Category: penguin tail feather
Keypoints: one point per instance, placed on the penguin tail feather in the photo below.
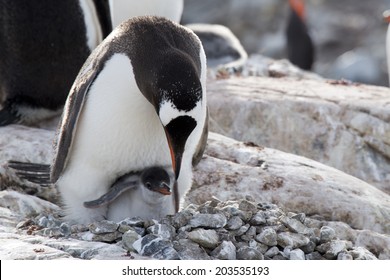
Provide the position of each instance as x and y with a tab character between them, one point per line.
8	116
33	172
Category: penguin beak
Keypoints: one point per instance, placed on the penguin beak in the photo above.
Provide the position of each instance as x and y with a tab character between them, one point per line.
164	189
176	154
177	132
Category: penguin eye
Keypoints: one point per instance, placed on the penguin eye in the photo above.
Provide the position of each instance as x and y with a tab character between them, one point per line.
148	185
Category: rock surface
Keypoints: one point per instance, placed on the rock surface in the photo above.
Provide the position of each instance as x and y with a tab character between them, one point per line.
342	125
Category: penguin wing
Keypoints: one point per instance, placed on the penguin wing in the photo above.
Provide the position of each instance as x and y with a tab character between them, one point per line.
123	184
74	106
201	147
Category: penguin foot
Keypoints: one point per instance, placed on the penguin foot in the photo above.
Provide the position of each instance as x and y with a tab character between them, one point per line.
8	116
33	172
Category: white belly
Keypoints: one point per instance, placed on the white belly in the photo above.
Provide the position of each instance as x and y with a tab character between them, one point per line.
118	131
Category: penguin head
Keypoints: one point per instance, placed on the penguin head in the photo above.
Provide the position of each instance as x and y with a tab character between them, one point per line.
157	183
178	103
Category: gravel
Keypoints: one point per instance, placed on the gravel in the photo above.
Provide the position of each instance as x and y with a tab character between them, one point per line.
229	230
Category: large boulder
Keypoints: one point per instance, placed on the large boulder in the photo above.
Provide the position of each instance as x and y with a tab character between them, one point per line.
338	123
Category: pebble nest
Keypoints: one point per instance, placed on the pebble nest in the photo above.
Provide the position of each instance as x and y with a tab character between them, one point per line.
242	230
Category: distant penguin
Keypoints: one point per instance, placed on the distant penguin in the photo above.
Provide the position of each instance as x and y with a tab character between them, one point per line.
43	45
122	10
153	188
300	47
221	46
138	101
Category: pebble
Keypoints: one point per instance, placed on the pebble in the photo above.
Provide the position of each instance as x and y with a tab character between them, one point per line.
215	230
206	238
163	230
128	238
268	237
327	234
189	250
103	227
331	249
294	225
208	221
248	253
234	223
225	251
297	254
292	239
258	219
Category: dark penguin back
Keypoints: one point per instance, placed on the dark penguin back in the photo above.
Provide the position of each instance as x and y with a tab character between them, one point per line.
300	48
43	44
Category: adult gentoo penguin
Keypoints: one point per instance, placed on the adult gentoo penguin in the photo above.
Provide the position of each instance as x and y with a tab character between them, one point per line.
138	101
300	47
152	188
122	10
222	47
43	45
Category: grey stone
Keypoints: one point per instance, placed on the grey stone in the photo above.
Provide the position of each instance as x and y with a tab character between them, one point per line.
208	221
297	254
78	228
271	252
134	222
344	256
107	237
65	229
248	253
164	230
292	239
155	246
128	238
314	256
360	253
205	238
43	221
294	225
331	249
327	234
242	230
234	223
182	218
103	227
123	228
268	237
309	248
258	219
246	205
300	217
225	251
189	250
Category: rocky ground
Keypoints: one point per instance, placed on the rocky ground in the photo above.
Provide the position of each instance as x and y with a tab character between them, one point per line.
230	230
247	201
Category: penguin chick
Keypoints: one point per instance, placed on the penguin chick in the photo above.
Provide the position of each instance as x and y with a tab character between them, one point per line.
138	101
147	194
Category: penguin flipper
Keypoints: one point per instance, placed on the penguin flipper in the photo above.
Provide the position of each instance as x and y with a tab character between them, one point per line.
8	116
33	172
121	185
73	109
